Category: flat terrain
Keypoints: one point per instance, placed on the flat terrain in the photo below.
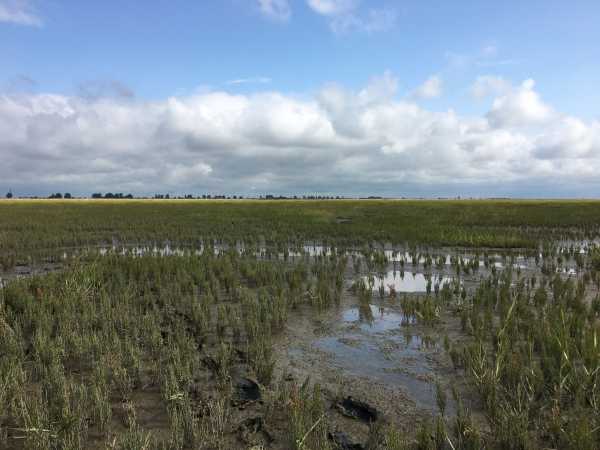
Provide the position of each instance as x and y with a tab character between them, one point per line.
29	225
305	325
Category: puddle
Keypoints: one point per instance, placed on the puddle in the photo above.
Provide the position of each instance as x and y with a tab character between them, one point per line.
408	282
391	361
371	342
375	319
570	271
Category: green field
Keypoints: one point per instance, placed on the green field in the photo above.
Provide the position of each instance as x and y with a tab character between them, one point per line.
30	225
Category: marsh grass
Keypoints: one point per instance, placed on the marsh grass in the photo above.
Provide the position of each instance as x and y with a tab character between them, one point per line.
36	230
534	358
80	347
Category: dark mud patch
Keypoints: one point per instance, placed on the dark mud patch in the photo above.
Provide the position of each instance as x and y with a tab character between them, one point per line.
344	442
26	270
247	390
253	432
357	409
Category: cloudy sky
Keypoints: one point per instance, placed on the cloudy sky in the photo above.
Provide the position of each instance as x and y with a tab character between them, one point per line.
345	97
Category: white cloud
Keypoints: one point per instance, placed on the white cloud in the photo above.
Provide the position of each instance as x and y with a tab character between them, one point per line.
180	174
332	7
104	88
278	10
485	57
345	16
521	106
569	138
489	85
375	20
19	12
431	88
253	80
340	140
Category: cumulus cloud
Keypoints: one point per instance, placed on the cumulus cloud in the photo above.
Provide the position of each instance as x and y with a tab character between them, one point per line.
520	106
570	138
19	12
278	10
431	88
337	141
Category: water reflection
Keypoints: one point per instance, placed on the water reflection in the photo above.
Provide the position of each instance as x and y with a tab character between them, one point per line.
374	319
408	282
371	344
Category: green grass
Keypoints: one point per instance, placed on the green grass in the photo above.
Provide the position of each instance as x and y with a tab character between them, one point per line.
84	350
29	226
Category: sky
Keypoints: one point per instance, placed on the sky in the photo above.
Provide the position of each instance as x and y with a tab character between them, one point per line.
301	97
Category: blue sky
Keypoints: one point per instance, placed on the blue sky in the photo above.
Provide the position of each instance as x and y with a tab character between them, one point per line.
77	57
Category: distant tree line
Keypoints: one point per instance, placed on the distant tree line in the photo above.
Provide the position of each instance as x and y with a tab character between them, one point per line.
303	197
204	197
110	195
221	197
120	195
67	195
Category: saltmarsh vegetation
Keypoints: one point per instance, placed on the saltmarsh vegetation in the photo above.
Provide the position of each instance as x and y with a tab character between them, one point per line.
530	347
531	350
89	352
149	352
534	357
33	228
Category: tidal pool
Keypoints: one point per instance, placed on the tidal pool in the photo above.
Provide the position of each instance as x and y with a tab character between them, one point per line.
378	343
408	282
374	319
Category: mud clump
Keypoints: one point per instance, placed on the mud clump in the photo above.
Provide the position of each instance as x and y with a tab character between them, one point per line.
252	431
357	409
211	363
247	390
343	442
